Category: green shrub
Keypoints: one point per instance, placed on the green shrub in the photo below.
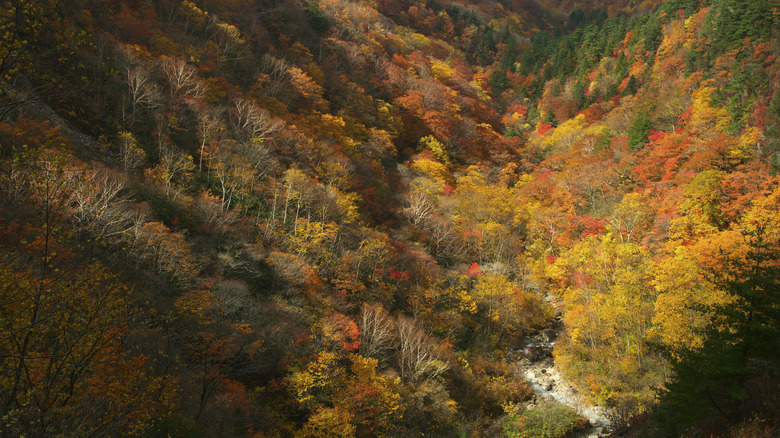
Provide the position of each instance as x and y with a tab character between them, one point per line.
548	420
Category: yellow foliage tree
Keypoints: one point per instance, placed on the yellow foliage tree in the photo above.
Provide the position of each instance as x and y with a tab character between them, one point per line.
685	300
508	310
566	135
432	144
434	169
707	120
351	395
609	301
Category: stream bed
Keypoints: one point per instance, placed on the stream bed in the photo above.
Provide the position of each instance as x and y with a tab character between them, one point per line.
534	362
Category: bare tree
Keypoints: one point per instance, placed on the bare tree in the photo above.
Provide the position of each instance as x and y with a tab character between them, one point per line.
421	207
134	233
252	122
209	129
377	331
418	355
443	237
142	89
98	205
236	301
182	78
277	71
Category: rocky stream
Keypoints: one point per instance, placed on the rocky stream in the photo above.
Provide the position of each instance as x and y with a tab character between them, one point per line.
535	363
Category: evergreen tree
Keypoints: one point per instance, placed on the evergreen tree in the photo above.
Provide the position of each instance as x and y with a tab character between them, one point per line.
632	86
498	82
736	20
611	91
689	6
507	61
621	66
639	131
317	19
576	18
652	33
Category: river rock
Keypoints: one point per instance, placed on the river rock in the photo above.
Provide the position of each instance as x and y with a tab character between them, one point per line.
596	434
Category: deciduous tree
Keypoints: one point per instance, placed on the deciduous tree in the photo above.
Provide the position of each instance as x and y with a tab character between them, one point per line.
418	355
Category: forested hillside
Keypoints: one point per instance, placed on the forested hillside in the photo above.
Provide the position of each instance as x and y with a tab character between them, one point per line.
343	218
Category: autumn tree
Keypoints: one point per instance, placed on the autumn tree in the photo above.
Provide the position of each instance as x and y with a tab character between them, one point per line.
213	358
686	299
507	312
490	217
231	171
61	331
295	188
724	376
609	320
565	135
292	274
278	75
25	27
328	422
168	252
173	171
130	154
64	315
350	394
227	37
220	347
336	332
436	106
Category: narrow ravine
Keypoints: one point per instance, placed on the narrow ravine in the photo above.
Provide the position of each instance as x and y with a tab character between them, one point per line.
534	362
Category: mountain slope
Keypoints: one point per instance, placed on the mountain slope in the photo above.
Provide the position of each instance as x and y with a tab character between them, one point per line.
330	217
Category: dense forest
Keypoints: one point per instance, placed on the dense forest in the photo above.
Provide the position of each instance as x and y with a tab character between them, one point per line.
338	218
